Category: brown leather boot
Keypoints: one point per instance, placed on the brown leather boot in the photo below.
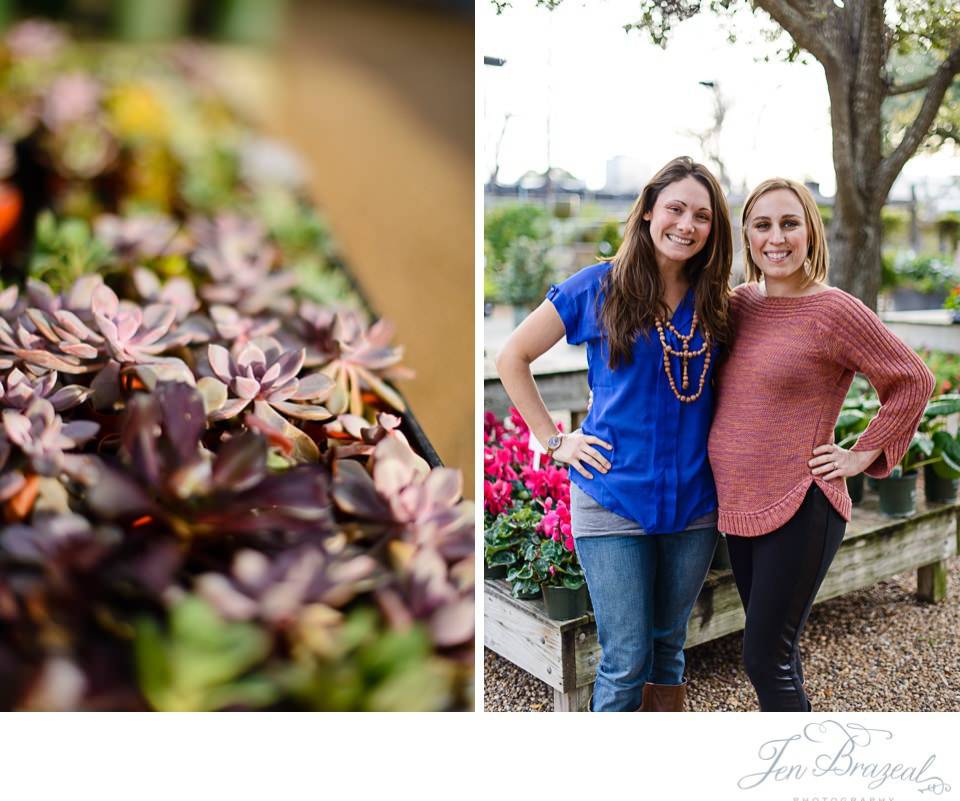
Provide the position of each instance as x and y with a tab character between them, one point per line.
664	697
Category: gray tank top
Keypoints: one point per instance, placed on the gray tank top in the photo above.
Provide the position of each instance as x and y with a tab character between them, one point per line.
589	519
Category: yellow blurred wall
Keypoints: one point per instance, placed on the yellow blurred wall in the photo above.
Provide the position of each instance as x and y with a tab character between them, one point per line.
379	100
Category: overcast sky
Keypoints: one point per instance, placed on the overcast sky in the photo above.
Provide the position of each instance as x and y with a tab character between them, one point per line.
602	92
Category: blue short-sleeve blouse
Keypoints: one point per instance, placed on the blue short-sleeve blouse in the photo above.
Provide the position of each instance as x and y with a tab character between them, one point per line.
660	475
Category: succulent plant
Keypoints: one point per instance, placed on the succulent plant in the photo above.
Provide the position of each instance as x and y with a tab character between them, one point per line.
423	504
11	480
35	39
139	237
71	99
264	374
208	503
66	250
353	355
64	344
236	254
43	437
237	329
185	489
18	390
134	335
277	590
356	436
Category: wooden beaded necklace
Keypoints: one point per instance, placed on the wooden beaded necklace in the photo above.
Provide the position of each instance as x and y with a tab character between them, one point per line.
685	356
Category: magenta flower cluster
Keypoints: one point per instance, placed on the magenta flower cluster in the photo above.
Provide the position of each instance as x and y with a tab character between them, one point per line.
510	478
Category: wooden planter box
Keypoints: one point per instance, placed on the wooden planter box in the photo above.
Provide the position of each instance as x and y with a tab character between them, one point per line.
565	654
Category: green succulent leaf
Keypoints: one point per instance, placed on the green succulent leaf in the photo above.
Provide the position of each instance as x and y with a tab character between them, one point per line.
200	662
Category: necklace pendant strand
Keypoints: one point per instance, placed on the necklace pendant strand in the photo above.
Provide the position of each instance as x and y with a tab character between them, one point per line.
685	355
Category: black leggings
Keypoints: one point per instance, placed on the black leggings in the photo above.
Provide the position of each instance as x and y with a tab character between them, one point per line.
778	575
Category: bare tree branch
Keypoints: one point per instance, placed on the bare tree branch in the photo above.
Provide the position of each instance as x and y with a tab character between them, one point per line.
807	29
891	165
913	86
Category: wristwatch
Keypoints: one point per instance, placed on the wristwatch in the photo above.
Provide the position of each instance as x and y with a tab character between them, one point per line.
553	443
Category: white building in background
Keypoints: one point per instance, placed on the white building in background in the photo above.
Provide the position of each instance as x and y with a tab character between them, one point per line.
626	175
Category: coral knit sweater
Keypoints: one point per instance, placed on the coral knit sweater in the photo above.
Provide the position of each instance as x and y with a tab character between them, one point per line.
781	390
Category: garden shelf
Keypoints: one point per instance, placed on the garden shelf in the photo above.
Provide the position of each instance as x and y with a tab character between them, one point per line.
565	654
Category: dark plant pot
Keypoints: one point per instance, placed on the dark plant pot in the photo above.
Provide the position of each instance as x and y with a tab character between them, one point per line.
872	482
492	573
905	299
855	487
898	496
721	556
937	489
564	604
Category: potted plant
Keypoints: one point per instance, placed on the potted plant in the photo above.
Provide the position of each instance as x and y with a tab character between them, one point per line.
922	282
564	587
898	491
941	475
504	541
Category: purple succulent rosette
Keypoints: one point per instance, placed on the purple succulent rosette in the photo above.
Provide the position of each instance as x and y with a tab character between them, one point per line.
264	374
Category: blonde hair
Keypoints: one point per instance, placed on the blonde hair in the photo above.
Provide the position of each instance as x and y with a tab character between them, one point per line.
818	258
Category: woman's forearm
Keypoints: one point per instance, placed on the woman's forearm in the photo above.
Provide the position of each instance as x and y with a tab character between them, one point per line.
517	380
532	338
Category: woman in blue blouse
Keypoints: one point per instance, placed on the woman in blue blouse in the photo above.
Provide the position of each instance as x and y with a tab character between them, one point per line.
643	503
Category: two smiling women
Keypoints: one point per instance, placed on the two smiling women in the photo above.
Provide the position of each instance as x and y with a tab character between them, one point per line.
668	434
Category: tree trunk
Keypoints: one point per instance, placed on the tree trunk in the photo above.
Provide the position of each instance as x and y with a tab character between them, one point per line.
855	253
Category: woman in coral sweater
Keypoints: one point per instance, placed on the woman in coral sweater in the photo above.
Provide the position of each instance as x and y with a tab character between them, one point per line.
643	504
783	502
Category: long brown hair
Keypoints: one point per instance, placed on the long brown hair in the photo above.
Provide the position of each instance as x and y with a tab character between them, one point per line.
633	290
817	263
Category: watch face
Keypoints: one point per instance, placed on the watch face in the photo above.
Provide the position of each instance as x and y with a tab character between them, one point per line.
553	442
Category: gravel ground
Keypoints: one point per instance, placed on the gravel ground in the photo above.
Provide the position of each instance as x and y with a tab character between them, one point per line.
878	650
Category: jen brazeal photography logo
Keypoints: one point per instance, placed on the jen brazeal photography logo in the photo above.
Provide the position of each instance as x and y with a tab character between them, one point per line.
830	757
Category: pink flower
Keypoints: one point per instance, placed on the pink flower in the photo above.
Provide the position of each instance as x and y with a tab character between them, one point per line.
497	497
555	524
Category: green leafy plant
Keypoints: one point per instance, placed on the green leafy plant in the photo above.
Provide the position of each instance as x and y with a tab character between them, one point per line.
558	566
65	250
526	272
514	540
924	273
859	408
945	453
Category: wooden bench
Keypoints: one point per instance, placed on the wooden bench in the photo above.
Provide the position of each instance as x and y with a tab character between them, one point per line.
565	654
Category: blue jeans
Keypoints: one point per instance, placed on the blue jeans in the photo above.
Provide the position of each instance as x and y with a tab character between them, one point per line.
643	590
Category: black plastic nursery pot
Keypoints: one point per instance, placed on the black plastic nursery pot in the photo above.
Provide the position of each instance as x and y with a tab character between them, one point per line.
898	495
855	487
937	489
562	603
494	572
